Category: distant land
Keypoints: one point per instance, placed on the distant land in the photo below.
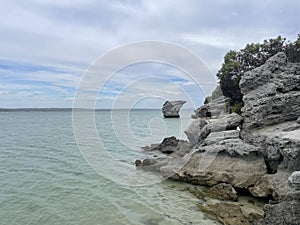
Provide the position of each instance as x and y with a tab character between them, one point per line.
62	109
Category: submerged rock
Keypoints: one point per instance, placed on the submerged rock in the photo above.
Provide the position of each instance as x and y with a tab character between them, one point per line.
172	108
223	191
227	213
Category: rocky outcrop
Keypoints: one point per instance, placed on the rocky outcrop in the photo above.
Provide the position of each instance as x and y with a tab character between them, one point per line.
172	108
271	93
256	153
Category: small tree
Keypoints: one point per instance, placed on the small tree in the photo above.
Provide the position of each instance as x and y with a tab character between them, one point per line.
236	63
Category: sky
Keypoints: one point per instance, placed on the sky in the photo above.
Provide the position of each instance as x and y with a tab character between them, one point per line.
47	46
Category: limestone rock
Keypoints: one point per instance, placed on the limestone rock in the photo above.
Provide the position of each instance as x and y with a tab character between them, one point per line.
215	108
202	111
172	108
194	132
271	93
275	185
221	136
283	213
200	128
209	167
294	180
169	145
281	145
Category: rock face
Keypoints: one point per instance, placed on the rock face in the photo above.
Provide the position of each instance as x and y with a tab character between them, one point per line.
172	108
200	128
256	153
271	93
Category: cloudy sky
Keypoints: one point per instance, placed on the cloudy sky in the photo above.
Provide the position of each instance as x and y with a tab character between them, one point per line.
47	46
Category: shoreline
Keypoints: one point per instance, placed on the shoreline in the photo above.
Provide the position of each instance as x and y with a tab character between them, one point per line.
256	153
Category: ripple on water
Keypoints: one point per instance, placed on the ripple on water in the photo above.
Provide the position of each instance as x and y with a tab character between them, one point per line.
45	180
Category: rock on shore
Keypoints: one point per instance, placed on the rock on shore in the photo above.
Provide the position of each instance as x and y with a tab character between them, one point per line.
257	152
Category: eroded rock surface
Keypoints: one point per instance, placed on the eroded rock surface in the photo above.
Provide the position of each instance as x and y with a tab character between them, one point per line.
271	93
172	108
256	153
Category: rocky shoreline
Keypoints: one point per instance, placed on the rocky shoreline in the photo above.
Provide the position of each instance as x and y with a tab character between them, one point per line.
256	153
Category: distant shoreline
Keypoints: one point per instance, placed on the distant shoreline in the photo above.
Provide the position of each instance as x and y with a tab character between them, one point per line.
62	109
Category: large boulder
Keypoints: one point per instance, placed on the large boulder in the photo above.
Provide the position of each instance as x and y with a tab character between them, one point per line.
172	108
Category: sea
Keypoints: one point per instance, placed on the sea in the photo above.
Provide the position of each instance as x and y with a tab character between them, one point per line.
45	178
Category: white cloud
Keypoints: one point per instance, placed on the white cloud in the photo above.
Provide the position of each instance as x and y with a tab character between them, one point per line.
70	35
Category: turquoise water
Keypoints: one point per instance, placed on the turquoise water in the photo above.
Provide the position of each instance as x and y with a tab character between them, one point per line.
45	180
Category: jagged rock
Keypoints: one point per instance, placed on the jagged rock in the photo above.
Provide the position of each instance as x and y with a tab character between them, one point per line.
228	122
283	213
294	180
168	145
281	147
212	165
260	158
202	112
194	132
215	108
172	108
223	191
200	128
218	137
271	93
275	185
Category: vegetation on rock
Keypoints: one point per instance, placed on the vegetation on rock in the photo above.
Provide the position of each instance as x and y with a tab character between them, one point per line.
237	63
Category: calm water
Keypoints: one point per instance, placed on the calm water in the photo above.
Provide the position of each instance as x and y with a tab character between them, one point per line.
45	180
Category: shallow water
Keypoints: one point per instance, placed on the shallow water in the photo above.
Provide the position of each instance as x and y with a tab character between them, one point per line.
45	180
